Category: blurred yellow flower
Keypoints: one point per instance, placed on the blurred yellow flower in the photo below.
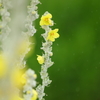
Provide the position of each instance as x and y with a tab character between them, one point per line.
18	78
35	94
52	35
40	59
46	20
35	76
23	79
3	66
34	97
23	47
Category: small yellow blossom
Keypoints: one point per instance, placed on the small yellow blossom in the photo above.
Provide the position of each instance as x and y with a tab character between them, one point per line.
35	94
35	76
52	35
28	92
40	59
46	20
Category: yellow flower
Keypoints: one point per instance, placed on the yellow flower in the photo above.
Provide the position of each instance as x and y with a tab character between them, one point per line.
46	20
52	35
18	78
23	79
25	48
3	66
35	94
35	76
22	47
40	59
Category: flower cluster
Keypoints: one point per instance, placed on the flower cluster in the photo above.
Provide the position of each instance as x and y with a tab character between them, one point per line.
27	82
45	60
28	79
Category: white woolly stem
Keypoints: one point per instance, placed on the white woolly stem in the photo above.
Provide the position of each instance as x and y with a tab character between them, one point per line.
47	48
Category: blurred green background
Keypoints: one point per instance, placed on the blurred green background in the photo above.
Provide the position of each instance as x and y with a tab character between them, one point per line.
76	72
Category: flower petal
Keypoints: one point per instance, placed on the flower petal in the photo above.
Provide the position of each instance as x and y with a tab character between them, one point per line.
56	30
56	35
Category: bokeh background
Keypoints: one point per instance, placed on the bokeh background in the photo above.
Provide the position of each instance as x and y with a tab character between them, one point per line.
76	72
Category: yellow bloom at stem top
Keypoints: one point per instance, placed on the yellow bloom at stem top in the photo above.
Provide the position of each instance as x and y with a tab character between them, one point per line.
40	59
52	35
46	20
